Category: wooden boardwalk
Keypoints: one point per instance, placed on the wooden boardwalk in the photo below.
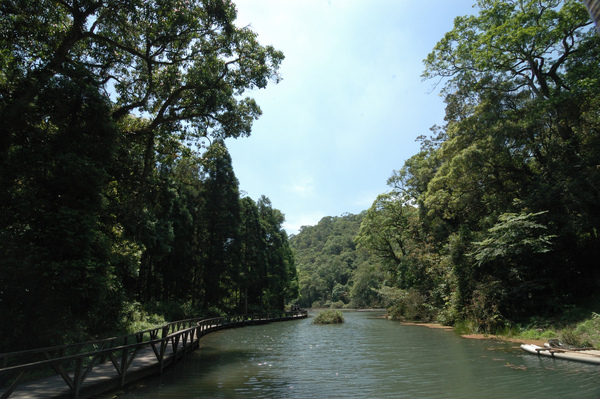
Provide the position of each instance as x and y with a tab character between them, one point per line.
116	366
101	378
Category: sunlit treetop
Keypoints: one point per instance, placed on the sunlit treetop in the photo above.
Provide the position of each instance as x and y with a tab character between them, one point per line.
514	45
182	64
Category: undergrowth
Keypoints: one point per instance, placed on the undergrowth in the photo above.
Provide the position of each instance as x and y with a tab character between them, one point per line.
329	317
584	333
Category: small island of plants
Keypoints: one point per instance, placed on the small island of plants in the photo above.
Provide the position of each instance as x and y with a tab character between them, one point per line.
329	317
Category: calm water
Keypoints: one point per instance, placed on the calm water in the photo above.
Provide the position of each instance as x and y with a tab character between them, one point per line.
366	357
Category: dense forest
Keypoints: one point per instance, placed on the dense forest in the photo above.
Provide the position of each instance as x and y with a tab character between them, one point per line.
331	271
118	194
497	218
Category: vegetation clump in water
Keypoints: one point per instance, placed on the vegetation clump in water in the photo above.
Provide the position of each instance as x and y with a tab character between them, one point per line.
329	317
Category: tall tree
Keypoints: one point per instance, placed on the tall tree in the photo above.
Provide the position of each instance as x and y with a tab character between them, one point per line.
221	220
94	95
253	268
282	279
522	122
507	191
183	64
55	260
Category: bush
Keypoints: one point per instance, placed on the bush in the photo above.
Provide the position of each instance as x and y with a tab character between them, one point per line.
135	318
172	310
329	317
589	331
585	334
318	304
336	305
410	305
537	334
466	326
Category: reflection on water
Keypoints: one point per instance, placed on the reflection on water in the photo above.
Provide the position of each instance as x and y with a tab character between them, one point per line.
366	357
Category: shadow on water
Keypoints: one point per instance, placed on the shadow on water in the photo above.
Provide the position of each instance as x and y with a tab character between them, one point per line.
201	370
366	357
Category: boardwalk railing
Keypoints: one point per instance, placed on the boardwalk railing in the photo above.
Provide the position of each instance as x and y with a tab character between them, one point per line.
92	367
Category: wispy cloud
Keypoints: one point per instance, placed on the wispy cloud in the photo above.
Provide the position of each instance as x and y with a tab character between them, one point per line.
350	105
303	186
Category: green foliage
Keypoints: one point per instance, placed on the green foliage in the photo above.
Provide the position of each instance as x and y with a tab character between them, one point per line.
407	304
496	218
513	235
537	334
101	207
330	269
135	318
221	221
585	334
282	278
329	317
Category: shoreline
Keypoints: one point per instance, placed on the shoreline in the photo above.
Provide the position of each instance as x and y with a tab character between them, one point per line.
477	336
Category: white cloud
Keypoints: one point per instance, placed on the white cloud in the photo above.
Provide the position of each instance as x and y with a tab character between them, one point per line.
303	186
350	105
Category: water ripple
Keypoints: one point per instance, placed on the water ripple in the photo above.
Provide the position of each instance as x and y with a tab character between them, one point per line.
363	358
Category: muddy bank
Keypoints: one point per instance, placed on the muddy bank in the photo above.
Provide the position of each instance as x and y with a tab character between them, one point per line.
500	338
478	336
428	325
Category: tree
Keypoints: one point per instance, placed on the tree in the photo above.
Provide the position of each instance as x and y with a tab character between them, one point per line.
522	123
385	233
54	249
98	101
282	277
514	165
331	268
253	270
221	219
522	119
184	64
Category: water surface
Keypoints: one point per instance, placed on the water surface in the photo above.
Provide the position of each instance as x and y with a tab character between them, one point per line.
366	357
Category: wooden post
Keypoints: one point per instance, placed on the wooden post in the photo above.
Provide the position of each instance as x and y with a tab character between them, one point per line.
77	380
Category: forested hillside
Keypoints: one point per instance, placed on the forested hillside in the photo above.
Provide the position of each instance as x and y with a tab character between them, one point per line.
497	218
117	191
118	196
332	273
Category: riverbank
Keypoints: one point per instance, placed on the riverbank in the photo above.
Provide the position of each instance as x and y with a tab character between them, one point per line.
477	336
507	339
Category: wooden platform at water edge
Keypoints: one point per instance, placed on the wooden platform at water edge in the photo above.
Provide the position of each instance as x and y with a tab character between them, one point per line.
83	370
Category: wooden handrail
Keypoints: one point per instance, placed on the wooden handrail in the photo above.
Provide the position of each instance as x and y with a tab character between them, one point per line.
182	336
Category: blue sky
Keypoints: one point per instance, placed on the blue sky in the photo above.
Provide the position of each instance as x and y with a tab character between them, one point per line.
350	105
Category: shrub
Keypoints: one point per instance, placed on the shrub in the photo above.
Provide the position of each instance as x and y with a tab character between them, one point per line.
336	305
586	333
317	304
135	318
537	334
329	317
410	305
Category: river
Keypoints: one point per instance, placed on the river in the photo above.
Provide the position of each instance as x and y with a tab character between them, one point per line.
366	357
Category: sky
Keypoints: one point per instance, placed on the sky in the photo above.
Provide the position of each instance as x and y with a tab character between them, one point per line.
351	103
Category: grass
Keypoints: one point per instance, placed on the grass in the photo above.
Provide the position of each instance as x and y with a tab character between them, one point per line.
329	317
584	333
